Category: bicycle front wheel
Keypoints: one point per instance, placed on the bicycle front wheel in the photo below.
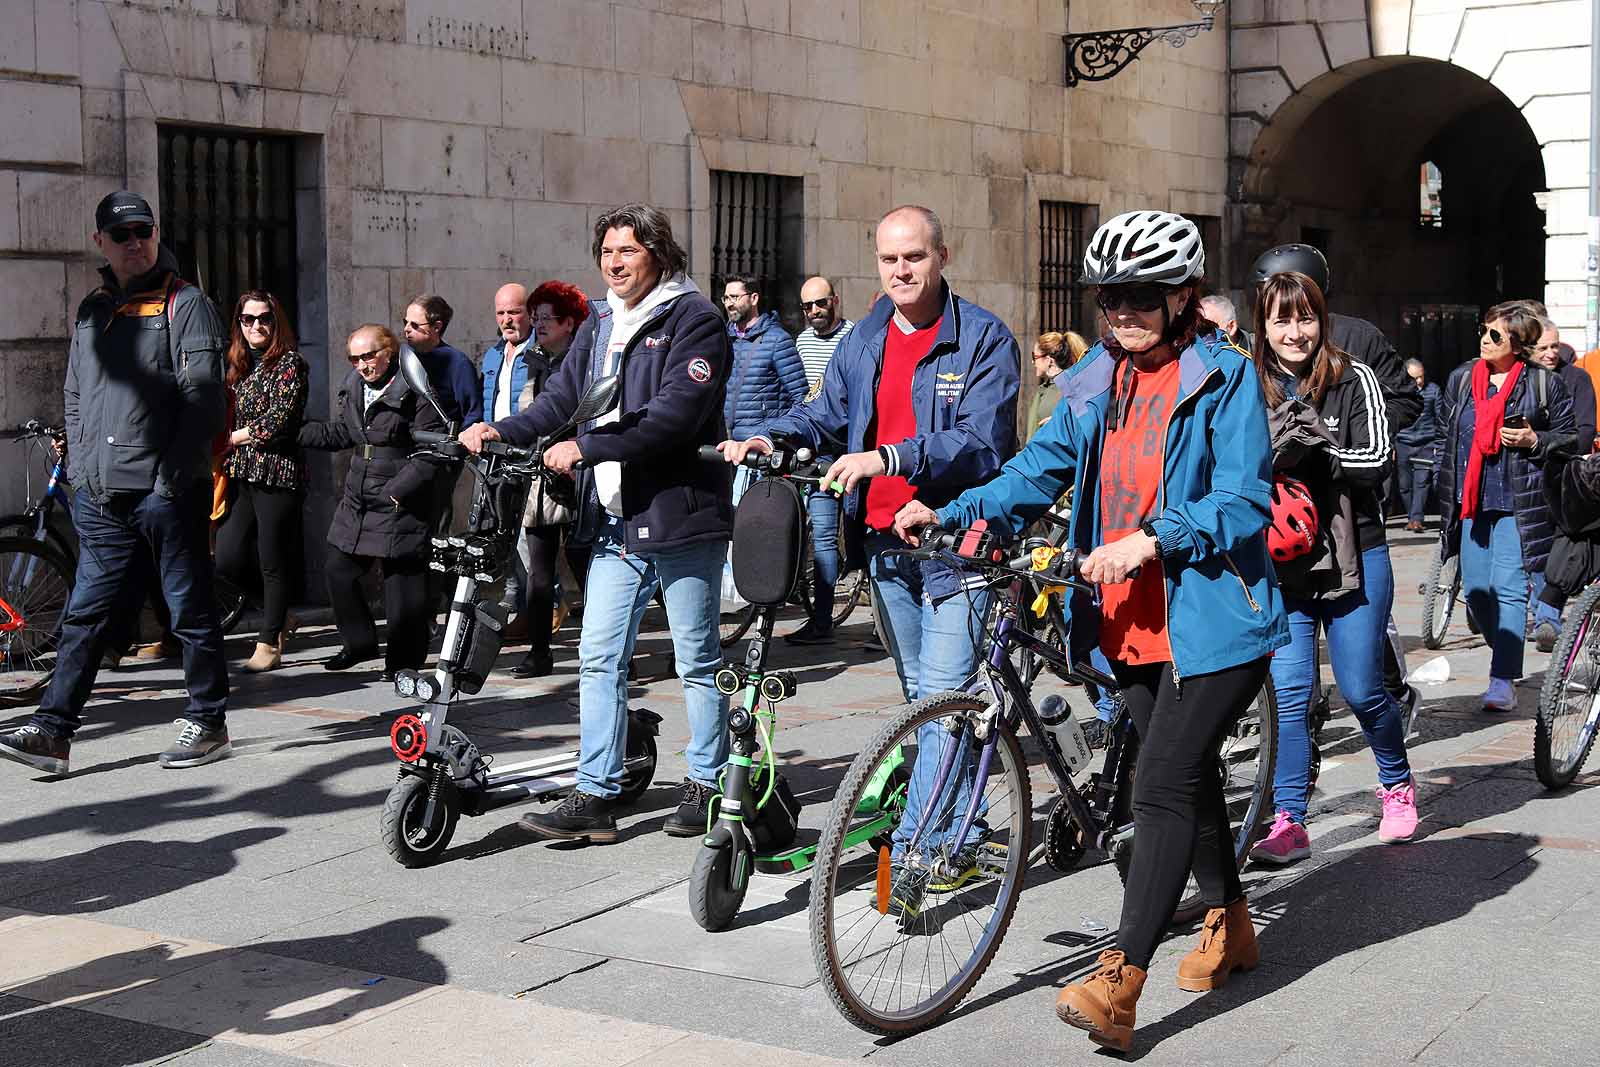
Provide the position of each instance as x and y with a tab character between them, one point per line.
1569	700
904	918
1439	598
36	585
735	623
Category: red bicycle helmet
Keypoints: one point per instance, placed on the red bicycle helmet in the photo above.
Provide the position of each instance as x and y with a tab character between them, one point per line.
1293	532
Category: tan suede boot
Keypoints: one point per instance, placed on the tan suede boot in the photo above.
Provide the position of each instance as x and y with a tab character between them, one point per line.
267	657
1227	941
1103	1004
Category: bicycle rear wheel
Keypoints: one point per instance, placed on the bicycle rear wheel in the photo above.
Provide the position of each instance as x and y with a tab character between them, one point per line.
848	593
1439	598
1569	700
1247	760
899	941
735	623
37	584
58	534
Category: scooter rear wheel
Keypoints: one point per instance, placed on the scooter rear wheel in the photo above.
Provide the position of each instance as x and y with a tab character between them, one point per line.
714	900
409	841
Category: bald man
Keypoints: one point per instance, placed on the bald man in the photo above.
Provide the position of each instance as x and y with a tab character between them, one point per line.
514	322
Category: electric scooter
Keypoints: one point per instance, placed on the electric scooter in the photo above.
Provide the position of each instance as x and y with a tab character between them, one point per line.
753	822
442	775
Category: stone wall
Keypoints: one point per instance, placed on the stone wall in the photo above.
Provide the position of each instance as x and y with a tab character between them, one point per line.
452	145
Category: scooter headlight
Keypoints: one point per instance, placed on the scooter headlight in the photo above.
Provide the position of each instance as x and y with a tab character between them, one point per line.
727	681
405	683
427	688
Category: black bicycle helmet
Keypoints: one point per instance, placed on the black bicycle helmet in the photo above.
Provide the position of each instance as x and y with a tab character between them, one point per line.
1303	259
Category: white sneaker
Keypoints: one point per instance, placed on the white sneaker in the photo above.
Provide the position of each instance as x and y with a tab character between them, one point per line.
1500	696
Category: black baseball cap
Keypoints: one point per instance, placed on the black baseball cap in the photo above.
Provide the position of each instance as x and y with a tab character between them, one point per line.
122	207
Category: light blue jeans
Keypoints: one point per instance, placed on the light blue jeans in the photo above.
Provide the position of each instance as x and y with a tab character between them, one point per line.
619	590
1357	629
1496	587
935	647
824	512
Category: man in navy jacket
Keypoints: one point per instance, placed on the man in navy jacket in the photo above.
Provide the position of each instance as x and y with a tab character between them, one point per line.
919	403
657	515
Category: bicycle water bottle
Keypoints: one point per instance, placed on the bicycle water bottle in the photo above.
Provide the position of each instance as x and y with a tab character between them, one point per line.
1063	731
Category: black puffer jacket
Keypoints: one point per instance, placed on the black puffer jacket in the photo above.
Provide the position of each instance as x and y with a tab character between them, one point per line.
383	470
1553	424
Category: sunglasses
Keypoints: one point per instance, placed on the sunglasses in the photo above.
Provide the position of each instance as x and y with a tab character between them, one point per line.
252	320
417	326
121	234
1136	297
1494	335
819	304
366	357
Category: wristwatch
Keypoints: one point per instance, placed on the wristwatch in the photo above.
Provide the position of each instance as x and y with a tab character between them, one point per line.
1149	530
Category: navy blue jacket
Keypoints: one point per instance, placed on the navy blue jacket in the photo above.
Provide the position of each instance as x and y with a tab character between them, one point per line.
674	373
455	380
768	377
965	395
1536	527
1426	428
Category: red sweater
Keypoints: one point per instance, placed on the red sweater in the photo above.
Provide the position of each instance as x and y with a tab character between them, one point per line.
897	419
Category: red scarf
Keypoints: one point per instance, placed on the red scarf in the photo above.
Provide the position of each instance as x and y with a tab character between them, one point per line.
1489	415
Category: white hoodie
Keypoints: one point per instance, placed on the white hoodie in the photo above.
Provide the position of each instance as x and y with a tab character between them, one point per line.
625	322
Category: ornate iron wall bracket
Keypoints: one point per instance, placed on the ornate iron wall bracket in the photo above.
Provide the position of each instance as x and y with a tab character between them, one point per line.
1105	54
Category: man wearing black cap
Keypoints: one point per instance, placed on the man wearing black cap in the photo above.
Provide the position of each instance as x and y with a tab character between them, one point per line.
144	397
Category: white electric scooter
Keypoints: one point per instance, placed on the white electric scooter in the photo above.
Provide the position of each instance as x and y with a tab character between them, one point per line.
442	774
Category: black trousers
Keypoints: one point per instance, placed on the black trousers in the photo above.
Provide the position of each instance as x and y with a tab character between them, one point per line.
1180	815
405	605
256	546
539	580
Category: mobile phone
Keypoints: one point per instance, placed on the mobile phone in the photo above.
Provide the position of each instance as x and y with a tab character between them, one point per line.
1515	422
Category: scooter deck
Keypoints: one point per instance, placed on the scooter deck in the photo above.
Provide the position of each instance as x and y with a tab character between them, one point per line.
804	857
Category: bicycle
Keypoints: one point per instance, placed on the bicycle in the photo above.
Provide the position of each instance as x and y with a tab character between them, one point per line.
1440	594
753	819
849	592
35	587
1569	699
48	520
954	902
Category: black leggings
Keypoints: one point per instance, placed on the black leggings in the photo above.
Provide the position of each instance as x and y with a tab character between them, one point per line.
405	605
256	547
1180	816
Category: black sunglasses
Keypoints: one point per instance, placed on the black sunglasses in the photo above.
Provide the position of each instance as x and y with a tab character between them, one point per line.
121	234
1138	297
251	320
820	302
1494	335
367	357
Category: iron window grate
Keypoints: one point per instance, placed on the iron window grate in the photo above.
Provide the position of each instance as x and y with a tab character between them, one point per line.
1065	302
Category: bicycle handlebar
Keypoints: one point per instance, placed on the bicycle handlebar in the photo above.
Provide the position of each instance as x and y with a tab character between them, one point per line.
798	463
977	550
34	428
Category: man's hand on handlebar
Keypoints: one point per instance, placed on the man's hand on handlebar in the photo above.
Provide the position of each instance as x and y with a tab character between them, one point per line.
1110	564
911	518
849	469
475	435
736	451
562	457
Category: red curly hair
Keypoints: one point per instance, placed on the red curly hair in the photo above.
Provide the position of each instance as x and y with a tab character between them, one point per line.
564	298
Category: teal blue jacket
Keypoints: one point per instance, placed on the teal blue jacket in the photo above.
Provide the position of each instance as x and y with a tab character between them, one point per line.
1223	607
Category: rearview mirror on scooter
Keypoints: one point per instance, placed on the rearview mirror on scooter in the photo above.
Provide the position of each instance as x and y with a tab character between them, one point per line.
600	398
416	376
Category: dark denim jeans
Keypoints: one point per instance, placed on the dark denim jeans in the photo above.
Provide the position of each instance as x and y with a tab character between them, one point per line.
176	532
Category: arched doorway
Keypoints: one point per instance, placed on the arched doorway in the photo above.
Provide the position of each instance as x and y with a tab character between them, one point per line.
1415	176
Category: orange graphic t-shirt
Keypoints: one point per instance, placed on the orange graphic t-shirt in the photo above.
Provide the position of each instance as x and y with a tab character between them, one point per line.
1133	614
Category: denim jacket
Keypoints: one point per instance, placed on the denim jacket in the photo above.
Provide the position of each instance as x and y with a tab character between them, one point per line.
1223	605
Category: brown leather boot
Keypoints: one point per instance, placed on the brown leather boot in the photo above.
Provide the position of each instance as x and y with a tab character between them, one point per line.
267	657
1103	1003
1227	941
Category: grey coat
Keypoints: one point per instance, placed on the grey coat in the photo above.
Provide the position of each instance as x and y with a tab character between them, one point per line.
144	393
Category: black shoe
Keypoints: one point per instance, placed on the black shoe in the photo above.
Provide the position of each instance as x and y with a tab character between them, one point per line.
1095	732
345	658
196	745
579	817
907	887
386	675
1408	711
810	634
694	804
35	748
533	665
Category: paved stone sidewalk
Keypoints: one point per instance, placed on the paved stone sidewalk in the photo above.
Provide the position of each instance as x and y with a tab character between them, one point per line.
235	913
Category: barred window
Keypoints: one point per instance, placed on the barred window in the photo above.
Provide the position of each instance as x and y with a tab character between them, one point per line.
1065	302
758	228
228	211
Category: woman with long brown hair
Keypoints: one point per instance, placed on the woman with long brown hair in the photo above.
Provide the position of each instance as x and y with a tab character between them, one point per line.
1331	455
266	469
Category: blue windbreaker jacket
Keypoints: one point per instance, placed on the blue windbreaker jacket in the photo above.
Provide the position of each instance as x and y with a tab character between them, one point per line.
1223	607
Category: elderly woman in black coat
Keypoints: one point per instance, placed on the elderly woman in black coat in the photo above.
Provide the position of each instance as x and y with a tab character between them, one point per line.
386	509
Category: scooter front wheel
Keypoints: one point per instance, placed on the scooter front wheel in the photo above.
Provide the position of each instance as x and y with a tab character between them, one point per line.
413	839
714	896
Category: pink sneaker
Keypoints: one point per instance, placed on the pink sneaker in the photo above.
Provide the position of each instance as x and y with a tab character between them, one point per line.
1286	842
1399	812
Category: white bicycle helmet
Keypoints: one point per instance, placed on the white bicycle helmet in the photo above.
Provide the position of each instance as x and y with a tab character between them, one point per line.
1144	246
